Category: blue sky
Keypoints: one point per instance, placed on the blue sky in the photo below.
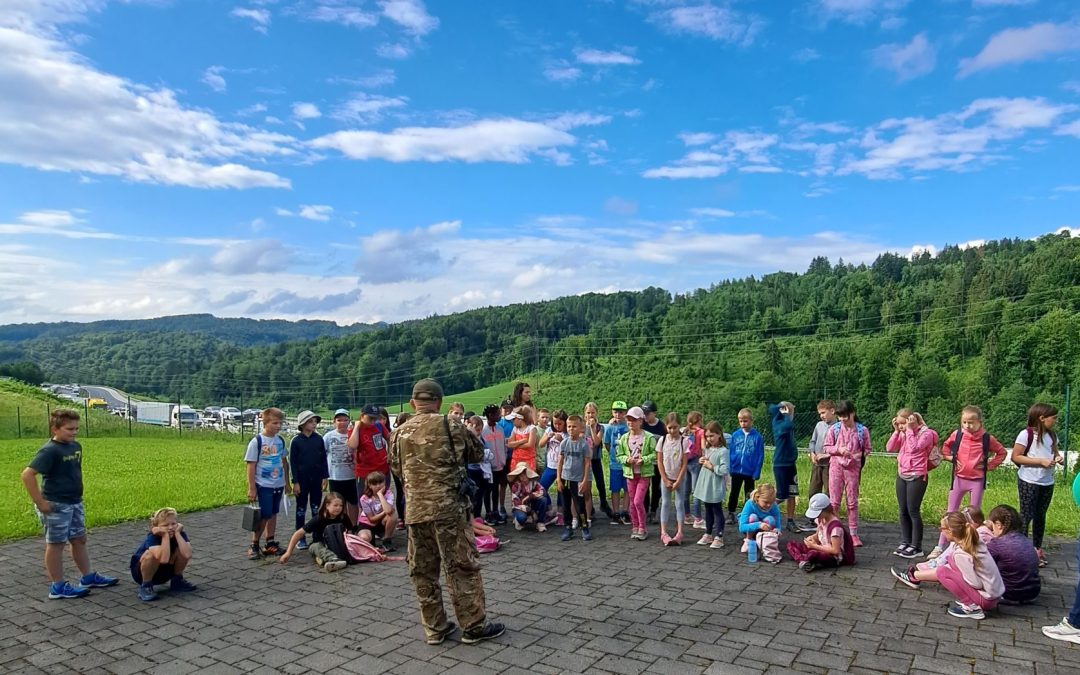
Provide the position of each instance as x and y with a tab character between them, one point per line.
386	159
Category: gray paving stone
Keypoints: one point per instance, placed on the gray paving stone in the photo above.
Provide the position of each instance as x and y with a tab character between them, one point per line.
268	618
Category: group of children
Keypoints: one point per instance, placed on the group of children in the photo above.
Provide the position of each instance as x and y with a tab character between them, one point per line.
692	471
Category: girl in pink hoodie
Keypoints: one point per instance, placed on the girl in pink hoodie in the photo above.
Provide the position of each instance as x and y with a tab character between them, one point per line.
913	440
973	453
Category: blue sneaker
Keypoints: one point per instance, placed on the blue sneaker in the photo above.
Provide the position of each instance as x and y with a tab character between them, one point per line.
62	590
567	533
585	534
147	593
181	585
302	545
95	580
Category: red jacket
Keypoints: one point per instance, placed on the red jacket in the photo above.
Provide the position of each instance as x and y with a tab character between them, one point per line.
969	457
371	455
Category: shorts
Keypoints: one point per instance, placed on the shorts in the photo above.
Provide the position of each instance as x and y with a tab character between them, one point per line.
499	477
269	501
162	575
347	490
376	530
616	482
63	522
787	482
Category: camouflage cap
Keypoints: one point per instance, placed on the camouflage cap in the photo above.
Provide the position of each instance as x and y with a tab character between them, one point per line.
427	389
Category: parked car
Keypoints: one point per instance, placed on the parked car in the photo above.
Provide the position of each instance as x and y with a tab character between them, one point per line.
251	414
229	413
212	411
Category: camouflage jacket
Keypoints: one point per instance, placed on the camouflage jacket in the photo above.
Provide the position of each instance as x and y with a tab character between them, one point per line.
431	468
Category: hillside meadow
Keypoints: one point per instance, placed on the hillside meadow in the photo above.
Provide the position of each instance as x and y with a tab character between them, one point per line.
128	478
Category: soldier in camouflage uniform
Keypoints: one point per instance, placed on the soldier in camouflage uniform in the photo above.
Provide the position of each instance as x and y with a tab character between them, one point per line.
432	466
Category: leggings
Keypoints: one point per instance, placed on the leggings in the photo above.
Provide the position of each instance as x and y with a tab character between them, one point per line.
652	491
953	581
310	493
1034	503
598	479
636	488
691	505
399	499
962	486
570	496
739	480
714	518
909	497
482	487
844	485
667	497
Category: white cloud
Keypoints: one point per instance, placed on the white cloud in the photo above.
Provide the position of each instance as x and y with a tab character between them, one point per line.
212	77
908	61
620	206
572	120
690	139
860	11
562	73
411	15
806	55
596	57
494	140
320	212
709	212
381	78
259	18
676	172
60	114
1067	188
252	109
393	256
367	108
733	148
396	51
760	168
305	111
718	23
1017	45
1070	129
345	15
951	141
532	276
1072	86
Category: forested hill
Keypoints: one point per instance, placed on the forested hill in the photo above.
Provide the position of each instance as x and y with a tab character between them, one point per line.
242	332
995	325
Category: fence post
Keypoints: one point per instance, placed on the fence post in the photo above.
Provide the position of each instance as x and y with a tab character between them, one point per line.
86	411
48	414
241	414
179	417
1065	441
18	420
129	414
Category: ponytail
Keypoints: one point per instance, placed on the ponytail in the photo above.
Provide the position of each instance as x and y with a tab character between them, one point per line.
963	530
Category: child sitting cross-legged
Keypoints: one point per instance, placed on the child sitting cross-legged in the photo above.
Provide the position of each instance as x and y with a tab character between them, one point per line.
830	545
162	557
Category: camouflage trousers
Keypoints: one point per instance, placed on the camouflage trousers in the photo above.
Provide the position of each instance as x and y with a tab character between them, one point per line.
448	543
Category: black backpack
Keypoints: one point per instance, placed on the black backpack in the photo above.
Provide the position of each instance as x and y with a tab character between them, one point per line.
986	454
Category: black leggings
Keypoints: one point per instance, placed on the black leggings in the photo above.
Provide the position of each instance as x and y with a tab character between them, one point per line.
909	497
1034	503
399	499
570	495
652	495
598	479
714	519
738	480
482	498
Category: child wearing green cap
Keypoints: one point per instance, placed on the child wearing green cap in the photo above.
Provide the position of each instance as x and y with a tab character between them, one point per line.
617	481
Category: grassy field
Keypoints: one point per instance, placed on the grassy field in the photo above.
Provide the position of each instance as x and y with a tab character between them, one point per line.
127	478
474	400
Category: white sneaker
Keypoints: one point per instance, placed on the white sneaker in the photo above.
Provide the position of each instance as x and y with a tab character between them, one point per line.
518	526
933	554
540	527
745	546
717	542
335	566
574	523
1063	631
705	540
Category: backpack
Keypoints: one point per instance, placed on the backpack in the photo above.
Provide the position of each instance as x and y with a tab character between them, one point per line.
860	429
769	545
959	435
848	556
934	459
362	551
487	543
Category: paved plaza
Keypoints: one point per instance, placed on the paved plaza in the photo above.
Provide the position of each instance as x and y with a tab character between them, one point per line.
610	605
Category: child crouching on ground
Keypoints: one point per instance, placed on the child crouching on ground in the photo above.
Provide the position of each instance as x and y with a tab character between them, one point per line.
759	514
830	545
162	557
377	511
968	571
1015	555
528	497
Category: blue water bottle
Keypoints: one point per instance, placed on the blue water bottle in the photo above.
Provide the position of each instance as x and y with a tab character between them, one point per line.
751	551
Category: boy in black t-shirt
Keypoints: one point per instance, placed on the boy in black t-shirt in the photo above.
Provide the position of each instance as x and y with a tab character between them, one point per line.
162	557
60	508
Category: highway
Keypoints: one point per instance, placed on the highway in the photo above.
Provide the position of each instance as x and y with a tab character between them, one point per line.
113	397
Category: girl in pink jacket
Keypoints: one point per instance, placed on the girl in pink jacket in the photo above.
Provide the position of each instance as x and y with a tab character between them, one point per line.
973	453
913	440
848	445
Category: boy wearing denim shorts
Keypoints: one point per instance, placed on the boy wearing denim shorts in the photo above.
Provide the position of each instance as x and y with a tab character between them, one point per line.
267	475
60	508
616	481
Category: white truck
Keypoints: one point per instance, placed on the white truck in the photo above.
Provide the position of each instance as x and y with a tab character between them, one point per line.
152	412
184	416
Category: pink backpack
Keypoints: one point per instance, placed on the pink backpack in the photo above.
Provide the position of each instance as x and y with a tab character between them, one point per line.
362	551
487	543
769	546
